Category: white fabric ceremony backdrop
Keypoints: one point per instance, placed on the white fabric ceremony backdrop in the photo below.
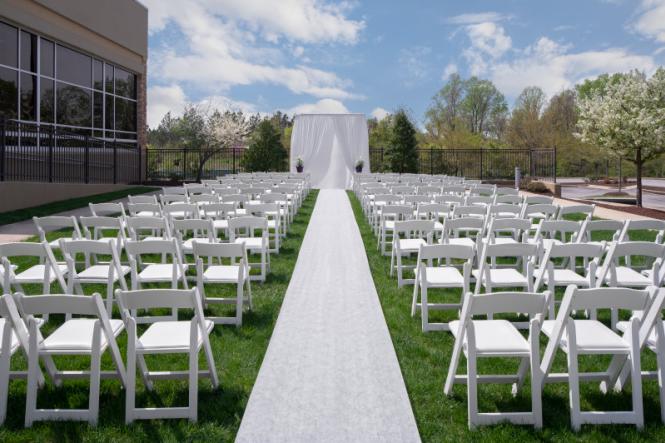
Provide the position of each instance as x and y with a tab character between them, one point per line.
330	145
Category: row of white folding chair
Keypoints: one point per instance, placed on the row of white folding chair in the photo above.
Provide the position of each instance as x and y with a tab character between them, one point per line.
499	338
83	335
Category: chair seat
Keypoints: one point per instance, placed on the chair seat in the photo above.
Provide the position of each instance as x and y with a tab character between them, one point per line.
251	243
35	274
565	277
100	272
221	274
14	344
169	336
159	272
272	223
495	337
651	340
188	245
75	335
55	244
504	241
444	277
504	277
463	241
411	244
220	224
146	214
389	225
629	277
593	337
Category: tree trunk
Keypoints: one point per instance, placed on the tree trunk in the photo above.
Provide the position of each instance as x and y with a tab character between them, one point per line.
638	165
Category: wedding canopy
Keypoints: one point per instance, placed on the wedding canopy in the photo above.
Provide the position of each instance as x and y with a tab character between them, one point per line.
330	145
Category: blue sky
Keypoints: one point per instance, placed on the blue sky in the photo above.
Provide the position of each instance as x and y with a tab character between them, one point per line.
375	56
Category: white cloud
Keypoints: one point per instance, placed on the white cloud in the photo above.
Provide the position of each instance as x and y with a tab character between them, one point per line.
450	69
221	44
298	20
488	41
379	113
415	64
651	20
323	106
162	99
479	17
554	67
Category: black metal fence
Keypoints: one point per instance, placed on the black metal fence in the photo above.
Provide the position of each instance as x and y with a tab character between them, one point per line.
168	164
44	153
481	164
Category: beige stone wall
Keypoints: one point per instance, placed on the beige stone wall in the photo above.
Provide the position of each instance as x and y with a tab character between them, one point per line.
19	195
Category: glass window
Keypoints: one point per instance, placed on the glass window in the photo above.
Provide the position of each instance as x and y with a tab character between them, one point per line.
8	92
98	74
73	105
74	67
46	54
28	97
97	110
28	51
47	100
109	78
8	45
125	83
125	135
125	115
109	112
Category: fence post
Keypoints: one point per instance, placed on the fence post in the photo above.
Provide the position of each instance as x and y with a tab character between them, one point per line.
115	162
3	142
431	164
553	169
184	164
51	145
234	159
481	163
86	159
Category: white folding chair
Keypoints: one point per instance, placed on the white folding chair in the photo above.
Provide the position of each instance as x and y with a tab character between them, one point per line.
389	215
57	223
144	209
516	275
253	232
15	336
498	338
272	213
172	337
431	272
591	337
219	213
175	211
187	231
559	267
504	210
657	227
152	198
143	271
45	273
75	337
408	236
107	274
210	269
107	209
148	228
98	227
609	228
465	231
585	210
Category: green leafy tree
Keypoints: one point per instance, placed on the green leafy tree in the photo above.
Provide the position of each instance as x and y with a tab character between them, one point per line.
402	154
526	127
266	151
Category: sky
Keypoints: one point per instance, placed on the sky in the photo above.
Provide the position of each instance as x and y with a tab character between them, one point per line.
373	57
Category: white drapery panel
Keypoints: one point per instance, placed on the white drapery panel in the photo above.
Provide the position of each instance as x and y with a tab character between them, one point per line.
330	145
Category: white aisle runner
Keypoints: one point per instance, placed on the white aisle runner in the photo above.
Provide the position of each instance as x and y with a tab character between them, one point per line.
330	372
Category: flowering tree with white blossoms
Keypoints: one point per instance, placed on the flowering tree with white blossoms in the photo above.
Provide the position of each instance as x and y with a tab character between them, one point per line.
627	119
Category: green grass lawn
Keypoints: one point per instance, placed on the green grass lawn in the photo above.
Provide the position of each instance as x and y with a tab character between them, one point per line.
67	205
238	355
424	361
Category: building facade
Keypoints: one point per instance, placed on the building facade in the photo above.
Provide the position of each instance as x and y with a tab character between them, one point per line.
78	65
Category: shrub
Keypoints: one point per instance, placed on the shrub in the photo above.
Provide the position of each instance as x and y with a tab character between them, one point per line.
265	152
536	186
402	154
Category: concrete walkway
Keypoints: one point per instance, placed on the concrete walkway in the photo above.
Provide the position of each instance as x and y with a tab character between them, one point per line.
25	229
330	372
606	213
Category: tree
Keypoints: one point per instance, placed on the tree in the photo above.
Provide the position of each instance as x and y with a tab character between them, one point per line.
627	118
402	152
481	100
266	151
222	131
526	128
444	112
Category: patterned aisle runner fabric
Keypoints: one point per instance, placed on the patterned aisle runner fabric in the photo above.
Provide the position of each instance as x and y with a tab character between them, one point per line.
330	372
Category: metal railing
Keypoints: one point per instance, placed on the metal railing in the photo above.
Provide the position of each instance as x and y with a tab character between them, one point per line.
45	153
169	164
481	164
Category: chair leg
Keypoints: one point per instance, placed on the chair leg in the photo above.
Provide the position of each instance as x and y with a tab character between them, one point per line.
414	299
193	383
130	394
95	375
33	369
471	387
636	376
574	388
424	308
5	359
